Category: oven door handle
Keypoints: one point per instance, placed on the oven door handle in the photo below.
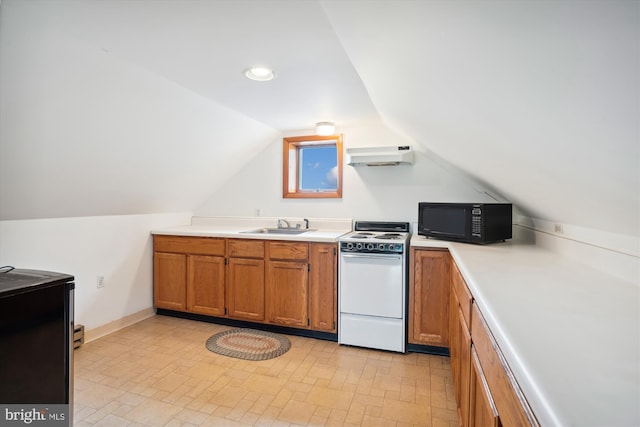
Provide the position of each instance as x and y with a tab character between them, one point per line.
373	256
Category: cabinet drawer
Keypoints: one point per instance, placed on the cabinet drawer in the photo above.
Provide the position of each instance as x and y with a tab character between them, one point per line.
246	248
288	250
190	245
462	293
512	406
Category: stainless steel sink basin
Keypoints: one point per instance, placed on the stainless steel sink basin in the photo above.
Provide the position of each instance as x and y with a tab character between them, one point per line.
277	231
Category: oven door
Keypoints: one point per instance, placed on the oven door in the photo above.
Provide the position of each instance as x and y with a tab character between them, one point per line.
372	284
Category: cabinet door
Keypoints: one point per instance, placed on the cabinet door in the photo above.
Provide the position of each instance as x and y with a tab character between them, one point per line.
429	297
245	289
286	295
169	280
205	288
483	412
454	348
323	280
460	351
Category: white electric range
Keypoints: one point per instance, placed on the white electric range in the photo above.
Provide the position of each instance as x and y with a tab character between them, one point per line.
372	285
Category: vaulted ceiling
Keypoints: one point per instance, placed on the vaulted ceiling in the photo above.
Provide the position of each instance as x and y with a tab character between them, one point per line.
540	100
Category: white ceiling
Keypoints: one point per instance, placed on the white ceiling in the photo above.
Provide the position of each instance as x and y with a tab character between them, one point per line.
205	45
540	100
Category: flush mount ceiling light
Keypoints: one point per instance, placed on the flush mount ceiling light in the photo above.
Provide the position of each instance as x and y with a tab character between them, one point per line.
259	74
325	128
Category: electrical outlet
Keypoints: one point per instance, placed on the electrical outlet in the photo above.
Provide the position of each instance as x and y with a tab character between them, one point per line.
558	228
100	283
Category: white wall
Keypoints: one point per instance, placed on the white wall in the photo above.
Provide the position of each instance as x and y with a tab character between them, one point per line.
539	98
392	193
116	247
369	193
84	132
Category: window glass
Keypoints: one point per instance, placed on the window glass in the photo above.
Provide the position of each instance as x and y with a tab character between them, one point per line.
318	168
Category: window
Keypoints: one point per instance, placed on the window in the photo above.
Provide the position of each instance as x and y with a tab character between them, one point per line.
312	167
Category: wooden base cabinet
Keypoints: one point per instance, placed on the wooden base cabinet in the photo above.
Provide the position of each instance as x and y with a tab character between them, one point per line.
510	403
287	297
302	285
482	410
486	392
188	273
206	284
245	287
323	285
287	283
170	281
291	284
460	352
429	297
460	342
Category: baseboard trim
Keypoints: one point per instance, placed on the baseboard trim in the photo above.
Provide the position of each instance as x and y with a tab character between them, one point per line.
328	336
116	325
428	349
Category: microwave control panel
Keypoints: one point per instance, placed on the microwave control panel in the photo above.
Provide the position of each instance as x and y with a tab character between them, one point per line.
476	222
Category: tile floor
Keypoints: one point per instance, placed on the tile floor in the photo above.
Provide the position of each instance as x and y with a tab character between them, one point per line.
159	373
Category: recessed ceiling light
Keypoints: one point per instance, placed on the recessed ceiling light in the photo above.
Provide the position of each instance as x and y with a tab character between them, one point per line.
259	74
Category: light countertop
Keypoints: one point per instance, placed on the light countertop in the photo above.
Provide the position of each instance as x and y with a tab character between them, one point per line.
321	230
570	333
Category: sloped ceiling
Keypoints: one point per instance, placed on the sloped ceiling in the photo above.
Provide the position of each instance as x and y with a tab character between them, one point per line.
204	46
540	100
139	106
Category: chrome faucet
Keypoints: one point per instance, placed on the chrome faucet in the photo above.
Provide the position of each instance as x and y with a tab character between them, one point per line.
306	223
280	221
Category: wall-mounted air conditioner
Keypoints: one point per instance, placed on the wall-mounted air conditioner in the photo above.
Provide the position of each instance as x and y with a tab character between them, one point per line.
380	156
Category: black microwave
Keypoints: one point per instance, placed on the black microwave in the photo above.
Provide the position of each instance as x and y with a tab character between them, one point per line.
465	222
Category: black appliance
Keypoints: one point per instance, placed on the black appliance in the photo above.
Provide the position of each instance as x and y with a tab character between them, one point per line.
36	337
465	222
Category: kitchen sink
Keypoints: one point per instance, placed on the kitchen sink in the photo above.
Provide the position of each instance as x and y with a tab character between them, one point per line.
277	231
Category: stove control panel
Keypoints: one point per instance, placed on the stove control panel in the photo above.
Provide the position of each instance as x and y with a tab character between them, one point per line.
372	247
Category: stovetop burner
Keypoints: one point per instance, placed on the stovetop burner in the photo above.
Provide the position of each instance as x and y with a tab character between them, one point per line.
375	237
378	235
390	236
361	235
